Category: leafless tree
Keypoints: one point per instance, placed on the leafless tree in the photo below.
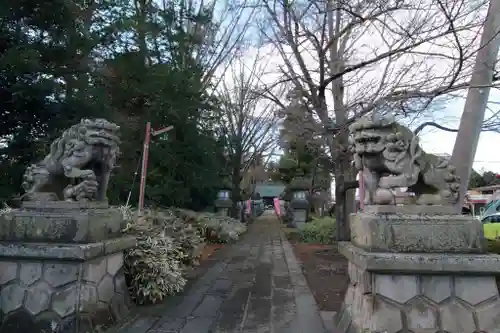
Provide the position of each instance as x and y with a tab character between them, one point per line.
225	38
348	58
248	122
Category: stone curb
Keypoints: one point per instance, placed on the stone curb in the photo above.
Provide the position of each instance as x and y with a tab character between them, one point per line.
308	315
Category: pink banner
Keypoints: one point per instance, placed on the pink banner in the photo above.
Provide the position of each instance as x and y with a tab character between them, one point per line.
277	206
249	207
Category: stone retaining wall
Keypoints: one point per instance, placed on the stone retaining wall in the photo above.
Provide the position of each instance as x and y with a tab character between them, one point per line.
419	303
62	296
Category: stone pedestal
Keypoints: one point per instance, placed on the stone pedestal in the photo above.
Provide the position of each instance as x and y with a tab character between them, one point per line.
428	281
300	208
223	205
59	283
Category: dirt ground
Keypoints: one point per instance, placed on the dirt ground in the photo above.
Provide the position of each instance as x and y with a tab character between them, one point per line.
326	273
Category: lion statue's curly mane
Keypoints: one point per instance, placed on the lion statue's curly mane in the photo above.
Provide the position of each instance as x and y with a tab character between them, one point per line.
390	157
79	163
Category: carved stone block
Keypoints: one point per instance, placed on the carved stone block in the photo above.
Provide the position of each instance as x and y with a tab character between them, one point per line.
59	221
66	293
458	297
412	233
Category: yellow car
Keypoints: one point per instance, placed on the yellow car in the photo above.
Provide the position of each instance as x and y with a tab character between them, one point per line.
491	226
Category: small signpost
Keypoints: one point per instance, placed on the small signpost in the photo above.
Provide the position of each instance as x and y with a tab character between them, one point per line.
145	155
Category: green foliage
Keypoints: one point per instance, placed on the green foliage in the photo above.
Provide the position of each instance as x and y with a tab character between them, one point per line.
493	246
168	242
215	228
319	231
61	61
485	178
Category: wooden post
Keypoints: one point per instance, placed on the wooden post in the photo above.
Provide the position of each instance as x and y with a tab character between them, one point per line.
145	153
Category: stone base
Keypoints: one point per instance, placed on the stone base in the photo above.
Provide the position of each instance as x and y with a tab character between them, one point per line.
391	293
61	221
409	229
62	288
299	217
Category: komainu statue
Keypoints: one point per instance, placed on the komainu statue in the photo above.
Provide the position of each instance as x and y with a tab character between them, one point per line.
390	157
79	163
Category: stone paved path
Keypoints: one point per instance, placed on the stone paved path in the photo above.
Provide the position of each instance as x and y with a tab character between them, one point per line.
257	287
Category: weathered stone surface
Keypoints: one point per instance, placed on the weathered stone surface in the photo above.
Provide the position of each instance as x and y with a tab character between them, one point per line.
417	233
106	289
422	316
450	300
488	317
361	278
475	289
426	210
115	262
421	263
87	297
120	284
388	319
432	179
62	225
18	322
68	252
8	271
77	167
455	317
12	297
436	288
30	272
94	270
38	298
400	288
119	306
59	274
64	301
299	217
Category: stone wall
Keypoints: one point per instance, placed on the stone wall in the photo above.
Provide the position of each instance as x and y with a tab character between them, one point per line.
419	303
62	296
62	287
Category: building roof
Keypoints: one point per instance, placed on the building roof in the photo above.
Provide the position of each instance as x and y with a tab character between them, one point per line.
269	190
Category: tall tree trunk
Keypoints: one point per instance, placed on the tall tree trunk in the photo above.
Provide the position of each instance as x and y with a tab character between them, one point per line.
235	183
467	139
344	202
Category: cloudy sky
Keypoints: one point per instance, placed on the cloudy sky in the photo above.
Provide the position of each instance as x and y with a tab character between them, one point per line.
432	140
437	141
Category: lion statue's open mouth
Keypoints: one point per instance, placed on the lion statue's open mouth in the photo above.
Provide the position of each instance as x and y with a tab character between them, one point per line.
84	154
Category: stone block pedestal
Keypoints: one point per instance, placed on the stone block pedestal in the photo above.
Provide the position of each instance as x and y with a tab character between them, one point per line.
62	287
418	286
300	208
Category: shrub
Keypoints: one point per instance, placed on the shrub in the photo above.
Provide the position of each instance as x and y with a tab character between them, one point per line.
168	241
215	228
319	231
153	269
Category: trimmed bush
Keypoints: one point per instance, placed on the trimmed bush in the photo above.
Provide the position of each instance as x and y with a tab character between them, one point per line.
319	231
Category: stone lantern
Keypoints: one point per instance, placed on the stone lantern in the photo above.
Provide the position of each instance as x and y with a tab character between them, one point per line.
223	202
299	203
